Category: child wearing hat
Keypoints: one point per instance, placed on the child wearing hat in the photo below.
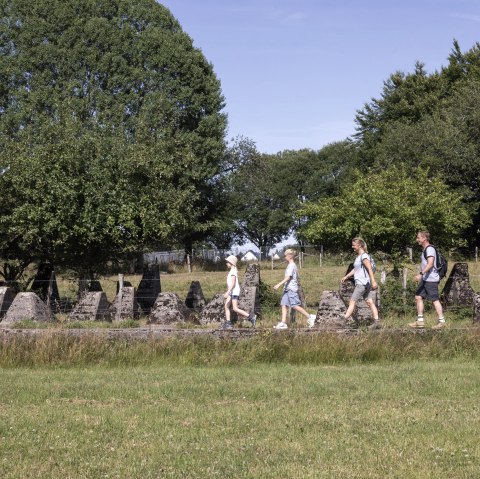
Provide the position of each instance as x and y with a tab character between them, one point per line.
232	294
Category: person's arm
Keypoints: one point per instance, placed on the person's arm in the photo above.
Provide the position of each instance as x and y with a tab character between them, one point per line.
428	267
349	275
285	280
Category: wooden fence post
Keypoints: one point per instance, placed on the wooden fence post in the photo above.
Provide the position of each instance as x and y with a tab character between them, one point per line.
118	313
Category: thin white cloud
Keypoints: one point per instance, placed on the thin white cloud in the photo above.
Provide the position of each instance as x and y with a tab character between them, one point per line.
282	16
467	16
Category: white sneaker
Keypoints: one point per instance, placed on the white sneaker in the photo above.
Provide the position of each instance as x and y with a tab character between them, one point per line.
311	320
281	325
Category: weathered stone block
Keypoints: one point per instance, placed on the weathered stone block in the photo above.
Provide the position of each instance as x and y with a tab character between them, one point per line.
26	306
7	295
125	305
149	288
251	276
195	298
249	299
214	311
169	309
331	311
251	279
44	280
457	290
93	306
476	308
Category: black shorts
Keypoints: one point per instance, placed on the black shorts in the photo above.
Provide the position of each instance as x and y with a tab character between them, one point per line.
428	290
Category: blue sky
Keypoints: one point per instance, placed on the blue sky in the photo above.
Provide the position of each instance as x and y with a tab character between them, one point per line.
294	72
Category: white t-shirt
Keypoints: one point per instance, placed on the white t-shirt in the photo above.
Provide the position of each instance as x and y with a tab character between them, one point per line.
432	275
231	277
360	273
292	283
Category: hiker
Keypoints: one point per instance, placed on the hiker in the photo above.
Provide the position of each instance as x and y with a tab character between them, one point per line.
365	283
232	294
290	298
428	279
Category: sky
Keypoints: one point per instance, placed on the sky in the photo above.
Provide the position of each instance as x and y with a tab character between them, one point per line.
295	72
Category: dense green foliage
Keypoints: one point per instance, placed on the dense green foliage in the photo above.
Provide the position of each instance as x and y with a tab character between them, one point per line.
388	208
266	191
111	131
432	122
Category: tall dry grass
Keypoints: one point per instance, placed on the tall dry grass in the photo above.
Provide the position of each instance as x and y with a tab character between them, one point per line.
54	349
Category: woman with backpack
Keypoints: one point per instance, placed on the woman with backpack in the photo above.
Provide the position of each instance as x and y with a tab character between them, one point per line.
362	273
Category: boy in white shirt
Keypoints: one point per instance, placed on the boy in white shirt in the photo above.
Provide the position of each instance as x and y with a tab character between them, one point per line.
290	298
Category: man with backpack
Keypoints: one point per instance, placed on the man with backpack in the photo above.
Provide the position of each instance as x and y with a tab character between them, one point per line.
428	279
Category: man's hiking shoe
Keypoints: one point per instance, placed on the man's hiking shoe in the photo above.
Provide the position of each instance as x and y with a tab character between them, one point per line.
227	325
281	325
439	325
311	320
253	319
417	325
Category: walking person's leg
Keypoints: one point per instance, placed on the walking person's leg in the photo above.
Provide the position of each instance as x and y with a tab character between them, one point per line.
251	317
227	324
374	310
285	305
420	296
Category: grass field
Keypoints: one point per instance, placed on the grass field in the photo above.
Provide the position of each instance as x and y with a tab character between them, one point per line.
416	419
388	404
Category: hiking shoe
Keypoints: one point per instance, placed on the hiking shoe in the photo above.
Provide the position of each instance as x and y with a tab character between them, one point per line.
253	319
439	325
416	325
281	325
311	320
375	325
227	325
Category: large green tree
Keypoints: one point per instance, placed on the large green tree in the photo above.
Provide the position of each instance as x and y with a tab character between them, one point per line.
265	191
111	131
387	209
258	204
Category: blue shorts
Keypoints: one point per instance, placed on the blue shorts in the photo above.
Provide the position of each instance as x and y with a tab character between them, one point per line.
290	298
234	296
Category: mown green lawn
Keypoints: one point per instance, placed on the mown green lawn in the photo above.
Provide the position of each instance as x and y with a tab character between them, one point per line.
417	419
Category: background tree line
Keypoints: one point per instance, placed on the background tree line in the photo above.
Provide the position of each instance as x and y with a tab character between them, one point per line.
113	142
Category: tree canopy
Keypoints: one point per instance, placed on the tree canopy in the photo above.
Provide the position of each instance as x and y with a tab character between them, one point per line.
111	131
387	209
432	122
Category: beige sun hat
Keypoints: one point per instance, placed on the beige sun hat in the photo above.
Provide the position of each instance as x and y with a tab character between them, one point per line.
232	260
